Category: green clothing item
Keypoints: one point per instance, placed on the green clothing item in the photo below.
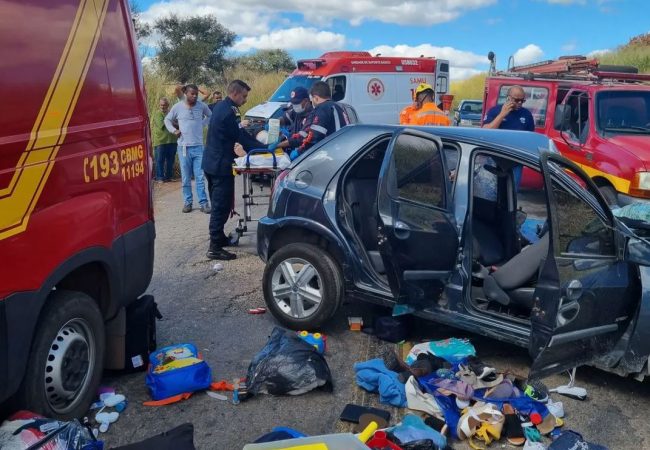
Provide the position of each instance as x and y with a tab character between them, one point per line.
159	131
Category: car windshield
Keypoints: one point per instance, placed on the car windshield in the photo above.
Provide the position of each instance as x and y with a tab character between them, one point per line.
283	93
472	107
623	112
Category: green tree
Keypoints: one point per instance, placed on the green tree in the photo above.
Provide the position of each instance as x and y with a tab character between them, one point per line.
142	29
275	60
193	49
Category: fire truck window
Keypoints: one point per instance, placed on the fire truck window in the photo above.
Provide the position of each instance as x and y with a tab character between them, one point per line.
536	101
578	126
337	85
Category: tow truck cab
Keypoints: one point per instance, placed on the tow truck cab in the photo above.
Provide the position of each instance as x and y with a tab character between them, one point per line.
377	87
598	116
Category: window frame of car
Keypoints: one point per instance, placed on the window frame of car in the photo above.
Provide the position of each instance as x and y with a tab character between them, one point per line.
393	188
565	181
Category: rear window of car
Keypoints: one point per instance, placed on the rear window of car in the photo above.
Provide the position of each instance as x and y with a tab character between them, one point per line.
536	101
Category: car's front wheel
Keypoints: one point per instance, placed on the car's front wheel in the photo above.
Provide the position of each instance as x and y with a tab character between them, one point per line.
66	358
303	286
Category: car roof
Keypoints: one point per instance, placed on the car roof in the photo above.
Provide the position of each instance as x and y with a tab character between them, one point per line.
521	144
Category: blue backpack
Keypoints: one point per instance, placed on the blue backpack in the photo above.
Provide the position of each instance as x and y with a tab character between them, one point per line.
175	372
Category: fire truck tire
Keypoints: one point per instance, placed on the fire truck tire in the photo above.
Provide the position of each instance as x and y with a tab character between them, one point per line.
609	194
617	68
66	358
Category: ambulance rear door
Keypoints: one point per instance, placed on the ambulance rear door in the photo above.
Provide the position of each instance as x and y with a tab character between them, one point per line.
407	83
374	96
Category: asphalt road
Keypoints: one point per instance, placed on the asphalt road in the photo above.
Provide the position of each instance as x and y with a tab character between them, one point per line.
209	309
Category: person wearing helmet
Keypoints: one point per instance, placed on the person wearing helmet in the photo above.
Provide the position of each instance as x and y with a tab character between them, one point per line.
429	113
405	114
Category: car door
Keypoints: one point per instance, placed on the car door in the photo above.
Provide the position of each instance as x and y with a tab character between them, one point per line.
418	240
586	294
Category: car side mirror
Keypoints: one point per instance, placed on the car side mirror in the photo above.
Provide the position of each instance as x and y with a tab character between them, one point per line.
562	117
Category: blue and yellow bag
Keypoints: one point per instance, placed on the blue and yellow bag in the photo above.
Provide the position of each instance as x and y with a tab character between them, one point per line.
175	372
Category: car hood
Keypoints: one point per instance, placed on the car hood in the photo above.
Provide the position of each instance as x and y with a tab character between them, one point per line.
470	116
638	145
265	110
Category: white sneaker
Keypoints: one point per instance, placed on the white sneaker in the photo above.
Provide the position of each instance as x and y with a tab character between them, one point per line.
555	408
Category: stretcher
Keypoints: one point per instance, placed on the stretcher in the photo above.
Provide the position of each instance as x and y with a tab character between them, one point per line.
249	196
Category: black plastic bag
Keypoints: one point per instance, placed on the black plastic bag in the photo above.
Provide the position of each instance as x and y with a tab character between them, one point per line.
287	365
179	438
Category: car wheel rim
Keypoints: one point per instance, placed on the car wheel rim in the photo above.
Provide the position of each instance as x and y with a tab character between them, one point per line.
70	363
297	288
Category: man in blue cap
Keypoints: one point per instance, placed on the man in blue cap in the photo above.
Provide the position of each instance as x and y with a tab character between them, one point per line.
326	118
295	117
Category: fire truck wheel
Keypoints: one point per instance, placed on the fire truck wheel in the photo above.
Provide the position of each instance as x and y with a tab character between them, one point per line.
66	359
609	194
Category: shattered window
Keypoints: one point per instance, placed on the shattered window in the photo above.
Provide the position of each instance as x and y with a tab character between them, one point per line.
581	230
419	171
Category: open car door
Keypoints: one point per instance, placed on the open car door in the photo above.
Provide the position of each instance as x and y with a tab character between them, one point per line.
418	240
586	294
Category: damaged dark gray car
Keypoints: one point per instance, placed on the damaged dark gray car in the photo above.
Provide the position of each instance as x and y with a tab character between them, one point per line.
430	221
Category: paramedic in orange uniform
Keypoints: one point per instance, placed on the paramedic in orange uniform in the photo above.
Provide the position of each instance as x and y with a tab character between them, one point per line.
429	113
405	114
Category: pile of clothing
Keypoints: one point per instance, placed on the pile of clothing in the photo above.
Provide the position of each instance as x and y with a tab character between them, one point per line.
466	399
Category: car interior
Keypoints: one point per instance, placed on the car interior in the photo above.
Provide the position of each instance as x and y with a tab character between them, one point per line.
506	255
360	198
505	260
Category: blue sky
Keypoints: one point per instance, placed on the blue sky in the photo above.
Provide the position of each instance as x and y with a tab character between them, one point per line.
462	31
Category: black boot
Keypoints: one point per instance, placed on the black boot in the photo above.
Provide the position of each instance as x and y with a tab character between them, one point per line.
216	251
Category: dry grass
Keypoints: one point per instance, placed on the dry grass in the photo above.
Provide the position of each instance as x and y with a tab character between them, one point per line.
471	88
636	55
262	86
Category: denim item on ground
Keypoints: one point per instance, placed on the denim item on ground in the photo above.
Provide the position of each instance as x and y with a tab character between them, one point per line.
190	159
165	155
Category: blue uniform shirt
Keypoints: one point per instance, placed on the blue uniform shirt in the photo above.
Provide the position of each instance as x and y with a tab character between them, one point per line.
518	119
223	133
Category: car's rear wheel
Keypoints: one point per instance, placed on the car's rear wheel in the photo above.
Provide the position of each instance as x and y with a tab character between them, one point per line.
303	286
66	359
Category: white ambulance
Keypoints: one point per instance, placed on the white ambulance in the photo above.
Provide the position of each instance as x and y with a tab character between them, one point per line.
377	87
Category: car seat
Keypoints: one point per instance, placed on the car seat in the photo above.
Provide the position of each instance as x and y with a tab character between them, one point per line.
508	284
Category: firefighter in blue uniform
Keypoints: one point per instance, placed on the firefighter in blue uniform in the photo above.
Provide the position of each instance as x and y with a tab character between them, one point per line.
326	118
224	131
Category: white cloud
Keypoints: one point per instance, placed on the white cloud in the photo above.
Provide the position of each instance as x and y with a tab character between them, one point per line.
241	20
463	64
461	73
599	52
529	54
251	17
569	46
298	38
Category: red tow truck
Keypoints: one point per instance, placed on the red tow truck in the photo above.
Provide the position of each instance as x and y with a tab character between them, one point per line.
597	115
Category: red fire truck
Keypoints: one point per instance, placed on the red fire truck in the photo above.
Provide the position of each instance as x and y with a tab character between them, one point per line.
598	116
76	213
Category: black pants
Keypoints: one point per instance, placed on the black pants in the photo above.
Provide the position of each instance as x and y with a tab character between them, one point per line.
222	191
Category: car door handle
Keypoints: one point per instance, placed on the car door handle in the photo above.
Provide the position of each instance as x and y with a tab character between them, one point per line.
567	312
401	230
574	290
